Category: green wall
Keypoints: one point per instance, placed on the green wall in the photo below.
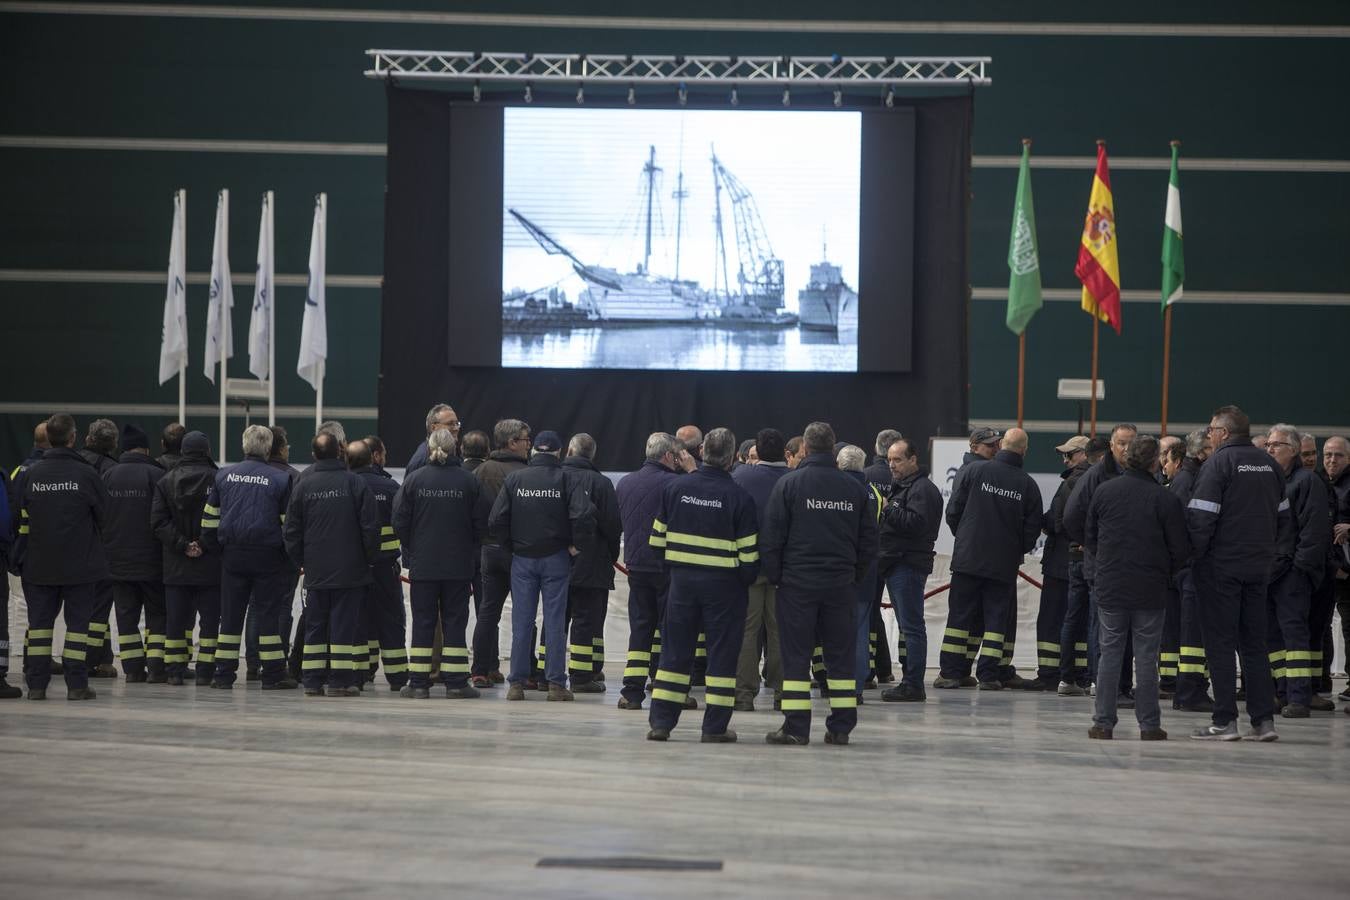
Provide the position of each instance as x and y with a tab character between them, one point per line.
1249	233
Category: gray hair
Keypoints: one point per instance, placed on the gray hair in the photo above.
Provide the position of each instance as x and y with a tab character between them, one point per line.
719	448
440	446
505	431
659	443
1308	436
582	445
1289	433
101	436
1234	419
334	427
886	437
435	413
1195	443
257	441
852	459
1142	453
819	438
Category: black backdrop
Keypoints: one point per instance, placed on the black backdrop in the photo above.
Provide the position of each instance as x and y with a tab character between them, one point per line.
620	408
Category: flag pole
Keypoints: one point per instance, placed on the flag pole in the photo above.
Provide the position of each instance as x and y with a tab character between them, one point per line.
271	317
323	363
1021	373
182	369
1167	359
1096	326
223	319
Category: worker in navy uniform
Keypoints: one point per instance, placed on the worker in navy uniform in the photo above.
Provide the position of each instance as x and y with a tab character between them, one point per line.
818	539
908	533
545	518
995	513
332	532
592	569
134	557
1075	524
1192	686
1074	680
440	517
13	486
706	534
382	620
191	565
511	438
1300	564
1233	517
278	458
639	495
59	556
1050	655
244	514
100	451
852	461
984	443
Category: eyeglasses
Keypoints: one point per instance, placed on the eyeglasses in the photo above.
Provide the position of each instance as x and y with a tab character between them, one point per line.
1270	444
1213	428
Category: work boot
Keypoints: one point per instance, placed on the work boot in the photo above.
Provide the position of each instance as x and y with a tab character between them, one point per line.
103	670
991	685
9	691
1015	683
782	737
904	693
497	677
132	678
946	683
658	734
1263	732
174	679
461	693
1318	703
350	690
1098	733
41	694
1295	711
1037	685
1345	694
1152	734
745	705
85	693
588	687
1227	732
414	693
156	678
558	692
252	674
516	692
836	737
1069	689
284	684
203	679
726	737
969	681
1203	705
690	702
481	681
314	691
220	685
625	703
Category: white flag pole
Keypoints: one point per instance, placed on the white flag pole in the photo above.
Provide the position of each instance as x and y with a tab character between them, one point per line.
224	226
323	255
182	366
271	317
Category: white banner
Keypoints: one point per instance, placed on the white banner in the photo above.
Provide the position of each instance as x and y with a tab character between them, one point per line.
314	327
259	325
173	348
222	290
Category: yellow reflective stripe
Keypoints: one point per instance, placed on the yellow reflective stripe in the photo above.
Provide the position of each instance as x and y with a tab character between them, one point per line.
991	651
840	684
40	632
788	705
720	700
958	649
68	653
391	545
1276	655
210	523
701	559
634	672
23	529
1182	667
638	655
211	510
263	654
581	649
1298	654
956	633
386	529
674	677
1046	645
993	636
695	540
1047	661
657	540
744	557
314	664
668	696
658	525
850	702
283	518
796	685
316	648
719	681
748	541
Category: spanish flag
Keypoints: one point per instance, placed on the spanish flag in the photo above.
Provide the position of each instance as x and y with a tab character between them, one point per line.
1098	263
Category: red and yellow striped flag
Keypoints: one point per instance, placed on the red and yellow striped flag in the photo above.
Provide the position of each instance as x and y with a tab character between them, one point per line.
1098	263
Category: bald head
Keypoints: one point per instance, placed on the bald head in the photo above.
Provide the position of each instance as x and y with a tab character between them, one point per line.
1015	439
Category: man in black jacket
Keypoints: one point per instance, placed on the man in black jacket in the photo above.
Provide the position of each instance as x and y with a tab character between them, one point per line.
593	569
995	513
1055	574
1137	533
100	451
984	443
332	532
171	445
243	515
908	531
705	532
383	624
1192	691
545	518
440	518
59	555
1074	680
511	438
818	538
1300	565
1336	461
191	566
279	459
134	557
1233	519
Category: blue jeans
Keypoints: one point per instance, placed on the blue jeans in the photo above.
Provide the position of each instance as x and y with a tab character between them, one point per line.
1116	627
1074	637
906	585
532	577
866	593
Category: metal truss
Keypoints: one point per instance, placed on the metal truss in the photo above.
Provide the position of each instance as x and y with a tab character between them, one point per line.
686	71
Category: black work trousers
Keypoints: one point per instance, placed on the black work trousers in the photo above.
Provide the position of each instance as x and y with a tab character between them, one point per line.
45	603
495	572
713	604
447	601
647	592
829	614
132	598
1233	611
970	598
1049	629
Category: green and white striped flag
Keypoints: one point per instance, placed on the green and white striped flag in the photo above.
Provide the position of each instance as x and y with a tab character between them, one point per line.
1173	259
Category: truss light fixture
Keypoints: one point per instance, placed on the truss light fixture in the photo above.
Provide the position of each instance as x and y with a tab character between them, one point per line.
787	96
477	92
838	98
581	94
890	98
684	94
529	92
735	100
632	95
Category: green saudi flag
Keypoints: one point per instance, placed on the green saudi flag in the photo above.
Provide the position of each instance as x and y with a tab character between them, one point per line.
1024	263
1174	264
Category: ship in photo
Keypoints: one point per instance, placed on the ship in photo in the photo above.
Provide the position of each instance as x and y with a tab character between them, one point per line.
827	303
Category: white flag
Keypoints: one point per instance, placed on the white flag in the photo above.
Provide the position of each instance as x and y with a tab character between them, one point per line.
259	326
173	348
314	327
221	289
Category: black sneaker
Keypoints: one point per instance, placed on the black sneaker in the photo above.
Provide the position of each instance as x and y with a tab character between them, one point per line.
41	694
1295	711
220	685
690	702
349	691
1318	703
782	737
625	703
658	734
1203	705
1039	686
1344	695
836	737
726	737
991	685
588	687
314	692
9	691
252	675
284	684
203	680
946	683
86	693
174	679
461	693
156	678
1015	683
904	693
968	681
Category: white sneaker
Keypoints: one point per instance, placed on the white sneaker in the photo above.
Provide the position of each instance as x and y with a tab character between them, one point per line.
1265	733
1227	732
1070	690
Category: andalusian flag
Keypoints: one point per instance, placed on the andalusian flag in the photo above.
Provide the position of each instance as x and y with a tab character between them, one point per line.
1173	260
1024	261
1098	263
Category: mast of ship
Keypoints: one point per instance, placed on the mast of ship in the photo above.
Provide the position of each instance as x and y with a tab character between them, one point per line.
679	195
719	242
650	170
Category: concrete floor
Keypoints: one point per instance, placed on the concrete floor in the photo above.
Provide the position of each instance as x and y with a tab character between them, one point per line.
153	791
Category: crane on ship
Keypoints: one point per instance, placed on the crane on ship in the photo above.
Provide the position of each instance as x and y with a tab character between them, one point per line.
759	275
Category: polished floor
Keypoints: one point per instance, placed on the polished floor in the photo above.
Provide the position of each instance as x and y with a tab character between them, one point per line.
154	791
